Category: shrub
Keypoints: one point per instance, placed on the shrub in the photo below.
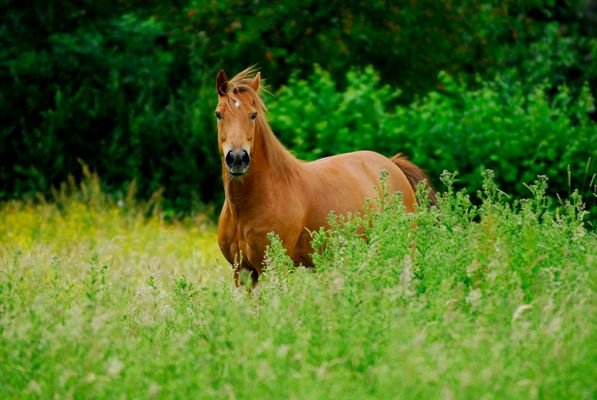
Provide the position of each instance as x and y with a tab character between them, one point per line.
127	87
99	301
110	92
518	133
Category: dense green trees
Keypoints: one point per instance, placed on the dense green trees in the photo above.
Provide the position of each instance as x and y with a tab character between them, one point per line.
519	131
126	87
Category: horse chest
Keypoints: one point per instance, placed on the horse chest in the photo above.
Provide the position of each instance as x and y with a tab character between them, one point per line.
243	242
252	243
246	238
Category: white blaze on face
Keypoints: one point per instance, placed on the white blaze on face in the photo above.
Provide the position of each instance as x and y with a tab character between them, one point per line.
237	104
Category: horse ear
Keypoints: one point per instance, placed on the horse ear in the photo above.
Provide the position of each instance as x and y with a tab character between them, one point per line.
256	81
222	83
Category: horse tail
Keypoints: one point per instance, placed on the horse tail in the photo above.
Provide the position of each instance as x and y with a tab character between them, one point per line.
414	175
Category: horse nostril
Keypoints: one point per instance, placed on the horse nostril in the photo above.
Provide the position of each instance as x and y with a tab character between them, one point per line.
230	158
237	162
245	158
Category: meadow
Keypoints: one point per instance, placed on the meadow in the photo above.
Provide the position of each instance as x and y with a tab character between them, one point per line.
109	299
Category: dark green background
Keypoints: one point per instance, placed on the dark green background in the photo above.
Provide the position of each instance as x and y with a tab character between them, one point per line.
126	87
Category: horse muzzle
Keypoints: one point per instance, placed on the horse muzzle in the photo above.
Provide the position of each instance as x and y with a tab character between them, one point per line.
237	162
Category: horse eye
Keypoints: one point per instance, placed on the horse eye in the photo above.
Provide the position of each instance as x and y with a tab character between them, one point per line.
218	115
253	115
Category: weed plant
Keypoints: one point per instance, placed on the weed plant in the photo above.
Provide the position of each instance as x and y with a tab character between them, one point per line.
495	300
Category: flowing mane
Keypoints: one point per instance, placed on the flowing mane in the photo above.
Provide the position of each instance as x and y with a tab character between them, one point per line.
279	158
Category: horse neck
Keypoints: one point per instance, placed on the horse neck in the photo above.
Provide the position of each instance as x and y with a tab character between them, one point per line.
272	170
277	160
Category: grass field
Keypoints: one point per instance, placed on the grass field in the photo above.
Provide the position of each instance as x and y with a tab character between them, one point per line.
100	300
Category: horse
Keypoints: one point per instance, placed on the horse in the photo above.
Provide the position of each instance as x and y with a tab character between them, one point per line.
267	189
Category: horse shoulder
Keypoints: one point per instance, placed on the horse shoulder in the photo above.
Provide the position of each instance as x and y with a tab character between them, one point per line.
284	214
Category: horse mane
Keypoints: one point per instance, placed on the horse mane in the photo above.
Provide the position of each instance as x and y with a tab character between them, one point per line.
279	158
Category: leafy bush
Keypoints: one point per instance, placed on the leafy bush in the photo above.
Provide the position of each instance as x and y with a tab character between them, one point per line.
518	133
112	94
315	118
126	87
551	54
408	43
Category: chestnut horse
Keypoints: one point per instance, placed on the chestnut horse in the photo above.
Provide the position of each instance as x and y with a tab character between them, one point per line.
268	189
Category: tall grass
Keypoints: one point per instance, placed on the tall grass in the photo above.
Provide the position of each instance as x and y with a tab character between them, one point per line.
98	300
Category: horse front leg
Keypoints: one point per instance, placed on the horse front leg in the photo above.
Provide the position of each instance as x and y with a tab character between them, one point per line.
245	273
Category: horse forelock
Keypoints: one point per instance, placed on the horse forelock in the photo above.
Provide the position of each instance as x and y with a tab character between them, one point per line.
241	83
234	101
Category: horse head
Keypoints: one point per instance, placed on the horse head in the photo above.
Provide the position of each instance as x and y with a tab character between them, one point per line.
237	111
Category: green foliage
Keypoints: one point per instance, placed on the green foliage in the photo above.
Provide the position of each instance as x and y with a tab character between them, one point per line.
409	43
315	118
114	91
457	300
551	53
518	132
126	87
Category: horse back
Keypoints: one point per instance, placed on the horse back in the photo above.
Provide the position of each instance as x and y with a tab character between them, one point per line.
347	180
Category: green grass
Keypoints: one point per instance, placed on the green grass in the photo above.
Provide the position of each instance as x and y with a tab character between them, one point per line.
496	301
